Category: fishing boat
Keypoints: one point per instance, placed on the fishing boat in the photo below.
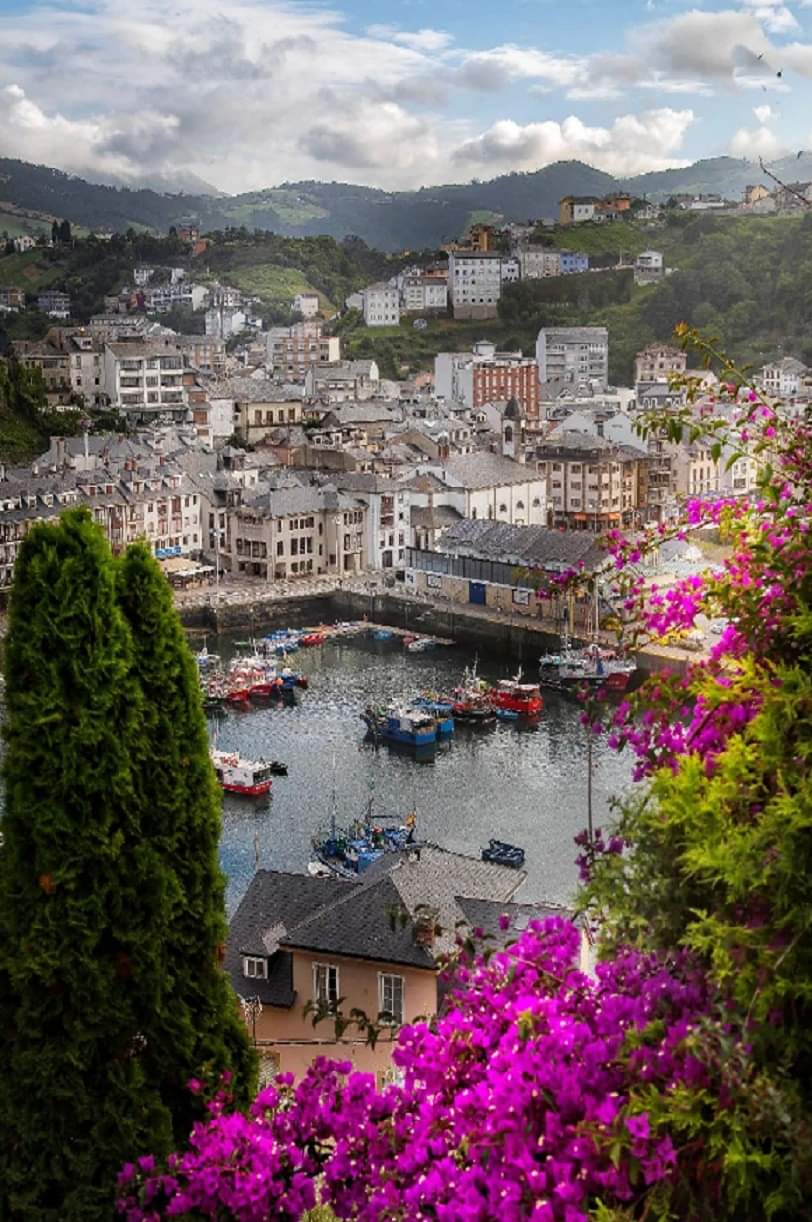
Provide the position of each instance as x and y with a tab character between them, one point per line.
406	725
204	658
439	706
502	854
312	638
472	703
382	634
349	851
214	689
249	778
517	697
592	667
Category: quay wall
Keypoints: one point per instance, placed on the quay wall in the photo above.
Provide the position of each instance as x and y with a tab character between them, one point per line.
522	640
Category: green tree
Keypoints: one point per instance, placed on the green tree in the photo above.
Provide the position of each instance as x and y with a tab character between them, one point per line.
195	1027
76	943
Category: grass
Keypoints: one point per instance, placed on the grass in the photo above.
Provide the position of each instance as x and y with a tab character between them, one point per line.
14	224
28	270
274	285
291	207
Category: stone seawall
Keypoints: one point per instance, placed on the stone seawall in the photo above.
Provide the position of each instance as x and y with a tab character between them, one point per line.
519	639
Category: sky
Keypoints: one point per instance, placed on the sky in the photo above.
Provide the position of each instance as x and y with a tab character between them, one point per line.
246	94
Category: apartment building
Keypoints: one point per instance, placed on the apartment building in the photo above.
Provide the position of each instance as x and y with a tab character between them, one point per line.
537	262
786	378
592	484
649	267
487	376
424	294
573	354
381	305
573	209
182	293
54	303
656	362
342	381
474	283
292	350
306	304
387	519
297	531
53	364
145	379
206	353
112	327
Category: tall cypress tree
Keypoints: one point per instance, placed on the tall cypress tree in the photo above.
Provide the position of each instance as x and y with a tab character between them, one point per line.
196	1028
78	951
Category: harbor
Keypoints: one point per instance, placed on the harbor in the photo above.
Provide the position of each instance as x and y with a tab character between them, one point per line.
520	782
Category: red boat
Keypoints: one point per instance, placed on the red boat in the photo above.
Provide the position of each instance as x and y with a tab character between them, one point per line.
250	778
312	638
516	697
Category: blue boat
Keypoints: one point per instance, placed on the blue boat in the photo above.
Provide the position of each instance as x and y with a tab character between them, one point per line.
349	852
408	726
507	714
502	854
382	634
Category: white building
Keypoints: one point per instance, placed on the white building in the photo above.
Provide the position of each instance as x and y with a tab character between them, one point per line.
381	305
785	378
222	322
424	294
649	266
487	486
573	354
142	275
474	283
511	270
306	304
144	378
537	262
181	293
387	518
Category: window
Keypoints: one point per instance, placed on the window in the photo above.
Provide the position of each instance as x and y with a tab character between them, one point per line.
255	969
390	996
325	984
503	508
520	504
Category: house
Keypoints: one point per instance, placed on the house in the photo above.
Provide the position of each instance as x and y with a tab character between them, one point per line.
143	274
145	378
755	192
342	381
537	262
257	406
424	294
178	294
206	353
474	283
787	378
573	262
573	354
649	267
480	238
381	305
306	304
297	942
573	209
223	323
23	243
111	326
11	299
387	519
53	364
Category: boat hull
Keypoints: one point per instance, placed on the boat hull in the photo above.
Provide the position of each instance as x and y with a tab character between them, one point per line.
247	791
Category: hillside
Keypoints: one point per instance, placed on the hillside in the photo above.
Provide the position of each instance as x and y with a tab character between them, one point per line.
396	220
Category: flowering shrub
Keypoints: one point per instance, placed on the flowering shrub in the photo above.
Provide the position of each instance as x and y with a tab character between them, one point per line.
675	1084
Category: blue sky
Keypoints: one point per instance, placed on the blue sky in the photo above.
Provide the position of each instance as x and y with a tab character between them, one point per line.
245	94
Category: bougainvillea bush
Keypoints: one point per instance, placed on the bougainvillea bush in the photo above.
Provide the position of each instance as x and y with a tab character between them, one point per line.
675	1082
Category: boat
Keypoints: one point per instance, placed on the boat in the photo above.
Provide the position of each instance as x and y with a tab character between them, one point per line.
439	706
312	638
407	725
204	658
592	667
382	634
420	644
249	778
507	714
472	703
349	852
516	697
502	854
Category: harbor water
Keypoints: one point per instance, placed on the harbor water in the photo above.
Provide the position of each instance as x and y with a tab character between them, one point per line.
525	784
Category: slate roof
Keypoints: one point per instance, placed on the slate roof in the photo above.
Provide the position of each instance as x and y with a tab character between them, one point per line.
485	914
435	517
484	470
536	545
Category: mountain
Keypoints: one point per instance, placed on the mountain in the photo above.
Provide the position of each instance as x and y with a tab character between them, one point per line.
387	220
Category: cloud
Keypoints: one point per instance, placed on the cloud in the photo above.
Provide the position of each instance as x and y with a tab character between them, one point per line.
773	15
632	145
757	142
501	66
368	135
764	113
419	40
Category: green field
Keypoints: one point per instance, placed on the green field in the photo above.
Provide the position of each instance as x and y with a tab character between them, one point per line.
14	225
274	285
30	270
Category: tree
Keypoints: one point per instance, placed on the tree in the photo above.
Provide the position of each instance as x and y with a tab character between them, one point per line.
197	1024
110	896
55	236
75	932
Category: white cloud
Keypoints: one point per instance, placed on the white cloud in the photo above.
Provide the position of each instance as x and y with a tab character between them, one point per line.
419	40
632	145
757	142
773	15
501	66
764	114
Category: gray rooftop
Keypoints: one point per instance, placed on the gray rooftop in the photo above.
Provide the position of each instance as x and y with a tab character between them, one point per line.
534	545
484	470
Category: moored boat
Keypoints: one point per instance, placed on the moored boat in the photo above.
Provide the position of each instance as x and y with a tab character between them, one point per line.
249	778
406	725
472	702
350	851
503	854
593	667
516	697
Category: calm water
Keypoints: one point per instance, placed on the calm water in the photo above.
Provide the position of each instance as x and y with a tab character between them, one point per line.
524	785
